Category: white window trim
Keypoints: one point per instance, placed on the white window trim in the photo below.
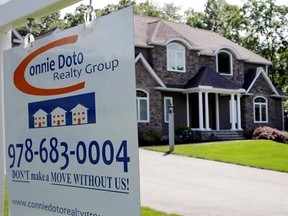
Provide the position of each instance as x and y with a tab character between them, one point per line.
138	106
231	63
175	52
260	110
165	108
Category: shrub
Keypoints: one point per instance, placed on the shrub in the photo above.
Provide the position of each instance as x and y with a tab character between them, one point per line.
149	138
186	135
271	134
248	134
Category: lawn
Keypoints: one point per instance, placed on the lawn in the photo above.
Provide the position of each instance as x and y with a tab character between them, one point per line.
263	154
150	212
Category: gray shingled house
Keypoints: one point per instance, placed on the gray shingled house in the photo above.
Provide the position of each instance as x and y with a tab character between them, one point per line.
216	86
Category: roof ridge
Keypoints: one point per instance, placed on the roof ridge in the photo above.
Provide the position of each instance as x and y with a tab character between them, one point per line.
157	19
162	22
155	30
207	41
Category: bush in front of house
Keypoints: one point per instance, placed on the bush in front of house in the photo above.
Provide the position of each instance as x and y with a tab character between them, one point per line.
186	135
265	132
248	134
149	138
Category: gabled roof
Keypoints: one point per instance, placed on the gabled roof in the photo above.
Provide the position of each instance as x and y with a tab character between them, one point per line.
251	77
58	110
209	77
40	112
149	69
206	79
151	31
79	108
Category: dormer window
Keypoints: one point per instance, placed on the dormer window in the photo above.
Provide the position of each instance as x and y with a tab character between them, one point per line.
176	57
224	62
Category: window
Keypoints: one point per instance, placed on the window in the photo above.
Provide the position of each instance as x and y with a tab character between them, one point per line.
167	102
142	104
260	110
224	63
176	57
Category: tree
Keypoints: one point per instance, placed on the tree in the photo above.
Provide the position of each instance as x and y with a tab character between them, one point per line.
267	34
195	19
147	8
220	17
171	12
44	24
225	19
114	7
76	18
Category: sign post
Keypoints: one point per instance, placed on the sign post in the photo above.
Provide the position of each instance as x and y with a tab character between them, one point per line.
70	122
171	129
5	39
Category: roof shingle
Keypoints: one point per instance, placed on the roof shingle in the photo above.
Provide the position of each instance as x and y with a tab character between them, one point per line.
209	77
149	31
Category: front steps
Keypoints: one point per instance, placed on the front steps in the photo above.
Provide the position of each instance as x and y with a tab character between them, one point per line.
221	135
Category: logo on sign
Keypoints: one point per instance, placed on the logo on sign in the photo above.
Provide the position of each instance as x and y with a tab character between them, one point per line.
73	110
24	86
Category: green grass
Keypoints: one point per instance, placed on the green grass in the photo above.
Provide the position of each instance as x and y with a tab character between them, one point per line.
263	154
150	212
5	206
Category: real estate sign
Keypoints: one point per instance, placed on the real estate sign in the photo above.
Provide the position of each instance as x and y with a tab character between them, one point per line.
70	122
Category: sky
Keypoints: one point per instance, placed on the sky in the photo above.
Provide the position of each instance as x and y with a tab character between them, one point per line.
197	5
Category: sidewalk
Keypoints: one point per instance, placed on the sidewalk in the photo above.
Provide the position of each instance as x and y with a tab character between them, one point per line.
195	187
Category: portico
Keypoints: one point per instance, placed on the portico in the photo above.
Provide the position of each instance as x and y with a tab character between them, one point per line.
211	104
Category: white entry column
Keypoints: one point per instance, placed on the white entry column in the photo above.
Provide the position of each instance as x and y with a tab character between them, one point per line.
239	125
217	112
207	125
232	111
200	102
188	109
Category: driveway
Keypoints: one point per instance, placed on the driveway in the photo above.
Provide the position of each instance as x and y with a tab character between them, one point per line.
197	187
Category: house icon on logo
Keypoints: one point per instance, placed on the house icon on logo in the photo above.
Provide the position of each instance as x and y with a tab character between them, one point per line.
68	111
40	119
79	115
58	117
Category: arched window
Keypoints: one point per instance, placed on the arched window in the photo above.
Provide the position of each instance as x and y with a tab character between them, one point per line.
142	103
224	63
176	57
260	110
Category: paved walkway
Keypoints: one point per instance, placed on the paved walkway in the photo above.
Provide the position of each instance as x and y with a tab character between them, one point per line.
196	187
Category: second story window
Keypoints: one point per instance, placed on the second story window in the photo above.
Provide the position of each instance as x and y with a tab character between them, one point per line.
224	62
175	57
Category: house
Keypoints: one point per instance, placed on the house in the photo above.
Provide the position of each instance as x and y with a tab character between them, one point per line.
58	116
216	86
40	119
79	115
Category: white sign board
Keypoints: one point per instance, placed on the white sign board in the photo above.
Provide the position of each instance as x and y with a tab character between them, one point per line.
70	122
